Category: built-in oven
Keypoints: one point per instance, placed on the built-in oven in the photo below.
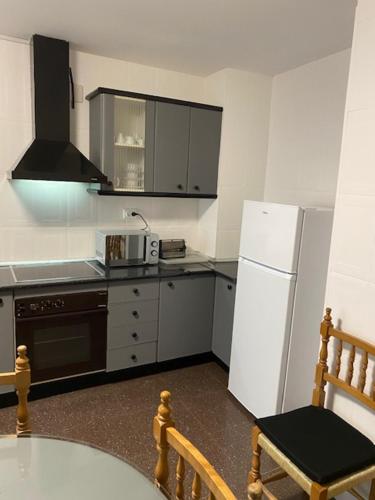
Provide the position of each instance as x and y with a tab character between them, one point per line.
65	334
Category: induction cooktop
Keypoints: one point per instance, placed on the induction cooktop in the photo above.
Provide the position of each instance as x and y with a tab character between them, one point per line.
61	271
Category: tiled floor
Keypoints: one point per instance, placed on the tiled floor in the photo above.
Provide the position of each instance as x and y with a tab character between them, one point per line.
118	417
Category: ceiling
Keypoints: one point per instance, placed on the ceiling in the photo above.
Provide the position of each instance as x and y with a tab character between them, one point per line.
194	36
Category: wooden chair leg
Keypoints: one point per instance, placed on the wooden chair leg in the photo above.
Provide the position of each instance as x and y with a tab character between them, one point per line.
372	490
254	474
318	492
254	491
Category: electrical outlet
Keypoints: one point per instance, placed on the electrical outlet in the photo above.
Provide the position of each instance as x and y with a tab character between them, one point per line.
128	212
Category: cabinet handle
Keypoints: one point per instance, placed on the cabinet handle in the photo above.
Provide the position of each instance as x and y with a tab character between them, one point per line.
135	335
170	284
229	287
135	314
133	357
196	188
180	186
135	291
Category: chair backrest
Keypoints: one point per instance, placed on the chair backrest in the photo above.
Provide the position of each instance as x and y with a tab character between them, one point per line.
21	379
322	375
167	436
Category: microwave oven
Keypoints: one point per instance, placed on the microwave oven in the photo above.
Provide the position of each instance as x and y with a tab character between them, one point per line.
126	247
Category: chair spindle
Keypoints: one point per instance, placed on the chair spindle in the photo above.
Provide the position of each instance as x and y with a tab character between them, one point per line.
362	372
197	487
23	386
338	358
180	476
349	375
161	422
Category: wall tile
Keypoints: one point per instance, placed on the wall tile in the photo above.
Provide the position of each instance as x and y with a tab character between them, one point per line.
357	172
353	251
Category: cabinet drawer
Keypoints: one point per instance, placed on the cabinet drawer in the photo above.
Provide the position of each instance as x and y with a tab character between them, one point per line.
127	357
129	335
131	313
133	291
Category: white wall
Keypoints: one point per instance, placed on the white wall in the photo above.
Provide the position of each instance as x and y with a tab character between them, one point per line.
307	113
351	279
44	220
246	100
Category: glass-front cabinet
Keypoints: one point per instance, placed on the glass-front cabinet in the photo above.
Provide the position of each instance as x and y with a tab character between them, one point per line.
122	141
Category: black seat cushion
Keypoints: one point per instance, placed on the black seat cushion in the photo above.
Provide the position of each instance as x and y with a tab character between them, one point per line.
319	442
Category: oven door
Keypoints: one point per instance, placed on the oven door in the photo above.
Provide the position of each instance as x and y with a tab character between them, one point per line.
63	345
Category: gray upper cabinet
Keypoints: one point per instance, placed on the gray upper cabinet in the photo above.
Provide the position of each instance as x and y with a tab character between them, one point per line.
172	123
185	316
225	292
7	354
154	145
204	149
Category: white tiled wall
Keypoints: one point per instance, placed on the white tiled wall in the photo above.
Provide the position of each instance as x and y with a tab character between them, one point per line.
307	114
351	280
243	156
47	220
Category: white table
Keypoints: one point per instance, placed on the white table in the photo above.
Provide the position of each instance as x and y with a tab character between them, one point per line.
41	468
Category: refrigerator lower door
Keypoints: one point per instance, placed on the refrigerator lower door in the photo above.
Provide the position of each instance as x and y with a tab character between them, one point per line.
261	332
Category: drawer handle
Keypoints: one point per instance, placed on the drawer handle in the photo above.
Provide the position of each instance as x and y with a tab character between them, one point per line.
196	188
180	186
135	314
135	291
170	284
135	336
229	287
133	357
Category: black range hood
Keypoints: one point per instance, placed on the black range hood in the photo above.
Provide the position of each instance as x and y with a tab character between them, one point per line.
51	156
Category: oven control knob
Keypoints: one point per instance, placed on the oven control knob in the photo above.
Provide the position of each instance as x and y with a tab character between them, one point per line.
154	253
59	303
154	243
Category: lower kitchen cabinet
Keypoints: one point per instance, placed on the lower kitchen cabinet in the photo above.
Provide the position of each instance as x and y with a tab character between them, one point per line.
225	292
185	316
7	354
132	324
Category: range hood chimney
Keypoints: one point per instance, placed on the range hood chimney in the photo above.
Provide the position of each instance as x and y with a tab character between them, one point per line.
51	156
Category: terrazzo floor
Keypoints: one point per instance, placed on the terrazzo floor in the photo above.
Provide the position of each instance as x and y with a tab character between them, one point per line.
118	417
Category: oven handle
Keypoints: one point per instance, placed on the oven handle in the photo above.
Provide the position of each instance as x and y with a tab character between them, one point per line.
65	315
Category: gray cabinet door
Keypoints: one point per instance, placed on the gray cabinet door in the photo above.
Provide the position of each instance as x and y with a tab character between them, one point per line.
7	354
225	292
204	149
185	316
172	122
102	139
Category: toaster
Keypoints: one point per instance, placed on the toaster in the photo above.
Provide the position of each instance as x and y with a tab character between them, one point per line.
172	249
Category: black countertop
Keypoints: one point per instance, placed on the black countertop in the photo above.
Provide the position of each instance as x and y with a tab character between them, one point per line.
225	269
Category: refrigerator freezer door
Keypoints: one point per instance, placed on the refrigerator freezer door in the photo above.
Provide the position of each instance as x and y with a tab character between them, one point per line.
270	234
262	318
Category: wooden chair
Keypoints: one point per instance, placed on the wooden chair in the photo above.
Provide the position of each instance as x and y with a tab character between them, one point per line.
167	436
20	378
324	454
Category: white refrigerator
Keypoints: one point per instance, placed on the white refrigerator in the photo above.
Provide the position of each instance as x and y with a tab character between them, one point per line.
282	273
